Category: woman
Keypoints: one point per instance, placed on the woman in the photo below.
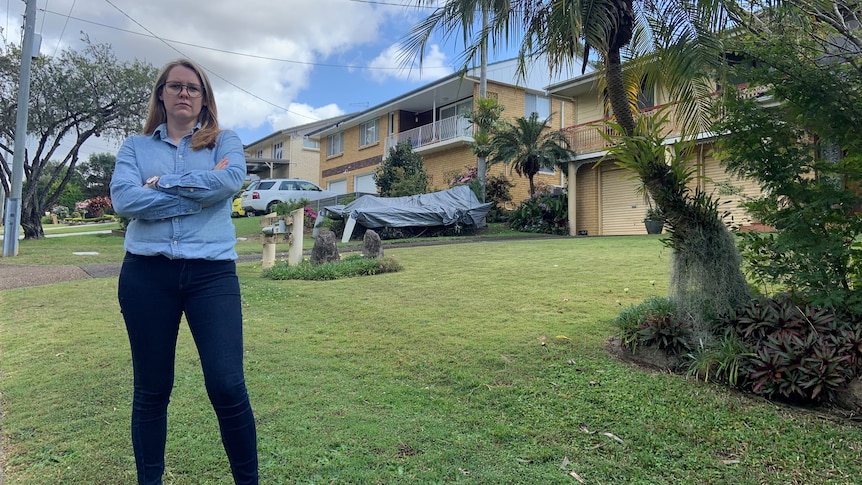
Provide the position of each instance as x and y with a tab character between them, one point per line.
176	183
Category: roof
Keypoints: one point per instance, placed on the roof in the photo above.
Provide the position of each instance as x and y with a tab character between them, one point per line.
303	130
452	88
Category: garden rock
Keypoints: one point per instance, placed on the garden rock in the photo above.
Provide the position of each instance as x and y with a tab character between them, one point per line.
851	398
324	250
372	247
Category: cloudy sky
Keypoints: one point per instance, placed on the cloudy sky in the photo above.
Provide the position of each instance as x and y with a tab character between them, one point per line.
273	63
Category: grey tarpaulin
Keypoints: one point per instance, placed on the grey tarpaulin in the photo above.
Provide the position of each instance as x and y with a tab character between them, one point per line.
458	204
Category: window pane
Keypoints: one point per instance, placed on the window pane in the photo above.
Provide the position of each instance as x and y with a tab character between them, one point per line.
368	132
334	145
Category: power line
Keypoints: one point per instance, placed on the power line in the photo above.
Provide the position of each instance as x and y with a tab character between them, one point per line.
62	32
209	70
242	54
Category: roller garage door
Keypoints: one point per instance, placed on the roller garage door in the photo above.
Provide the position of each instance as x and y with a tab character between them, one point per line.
622	208
715	175
365	183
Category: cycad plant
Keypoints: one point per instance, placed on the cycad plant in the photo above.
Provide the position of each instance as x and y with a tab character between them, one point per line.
529	147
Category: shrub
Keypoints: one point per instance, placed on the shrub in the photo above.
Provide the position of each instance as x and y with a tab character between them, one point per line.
653	323
542	213
721	361
309	214
95	207
794	351
60	211
349	266
497	190
402	173
334	225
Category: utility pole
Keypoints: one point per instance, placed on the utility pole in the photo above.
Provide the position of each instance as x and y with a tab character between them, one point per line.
483	91
12	218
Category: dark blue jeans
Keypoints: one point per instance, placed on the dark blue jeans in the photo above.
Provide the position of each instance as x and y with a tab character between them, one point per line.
154	292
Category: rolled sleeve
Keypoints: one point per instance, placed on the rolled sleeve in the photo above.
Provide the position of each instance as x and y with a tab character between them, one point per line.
210	186
130	199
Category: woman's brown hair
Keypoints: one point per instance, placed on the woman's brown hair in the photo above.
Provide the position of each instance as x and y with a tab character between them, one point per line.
206	136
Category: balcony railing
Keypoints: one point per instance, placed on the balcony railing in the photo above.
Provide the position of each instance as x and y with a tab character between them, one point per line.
439	131
587	138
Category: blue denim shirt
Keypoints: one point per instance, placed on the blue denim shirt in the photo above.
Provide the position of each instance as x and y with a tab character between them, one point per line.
188	215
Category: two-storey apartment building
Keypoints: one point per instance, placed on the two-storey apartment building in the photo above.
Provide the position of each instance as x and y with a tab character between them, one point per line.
431	120
288	153
603	198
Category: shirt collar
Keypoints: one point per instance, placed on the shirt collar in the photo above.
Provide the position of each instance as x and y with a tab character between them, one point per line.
161	131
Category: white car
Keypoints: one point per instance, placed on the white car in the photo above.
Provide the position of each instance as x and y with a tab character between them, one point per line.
262	196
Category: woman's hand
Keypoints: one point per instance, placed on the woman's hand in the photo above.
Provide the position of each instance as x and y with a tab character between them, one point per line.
222	164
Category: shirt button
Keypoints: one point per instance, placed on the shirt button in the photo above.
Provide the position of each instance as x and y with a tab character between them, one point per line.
175	242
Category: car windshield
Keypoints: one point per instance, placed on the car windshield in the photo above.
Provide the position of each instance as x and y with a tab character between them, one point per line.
252	185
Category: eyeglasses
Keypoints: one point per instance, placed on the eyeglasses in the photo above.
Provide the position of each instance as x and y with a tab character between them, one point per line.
175	89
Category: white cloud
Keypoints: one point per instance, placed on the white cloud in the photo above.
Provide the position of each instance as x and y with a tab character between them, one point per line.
260	54
301	114
433	66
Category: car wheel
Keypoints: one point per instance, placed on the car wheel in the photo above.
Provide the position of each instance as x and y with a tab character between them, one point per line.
270	208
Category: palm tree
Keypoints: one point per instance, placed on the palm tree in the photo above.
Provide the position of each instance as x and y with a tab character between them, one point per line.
673	43
678	34
529	147
462	14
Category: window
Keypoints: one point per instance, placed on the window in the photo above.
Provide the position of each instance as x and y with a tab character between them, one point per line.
335	144
369	132
309	143
541	105
458	109
646	97
305	185
278	150
258	154
452	120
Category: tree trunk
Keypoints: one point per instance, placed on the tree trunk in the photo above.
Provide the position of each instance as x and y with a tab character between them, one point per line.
706	276
617	93
31	221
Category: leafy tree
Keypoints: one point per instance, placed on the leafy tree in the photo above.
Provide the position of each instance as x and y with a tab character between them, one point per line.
402	173
529	147
96	174
73	97
806	151
71	193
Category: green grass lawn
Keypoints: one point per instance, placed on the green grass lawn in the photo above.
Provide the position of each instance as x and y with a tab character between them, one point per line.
478	363
60	250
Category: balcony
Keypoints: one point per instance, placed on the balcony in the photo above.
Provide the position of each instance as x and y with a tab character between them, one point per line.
433	136
586	137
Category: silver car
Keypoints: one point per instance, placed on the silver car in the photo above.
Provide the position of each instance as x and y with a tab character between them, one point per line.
262	196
